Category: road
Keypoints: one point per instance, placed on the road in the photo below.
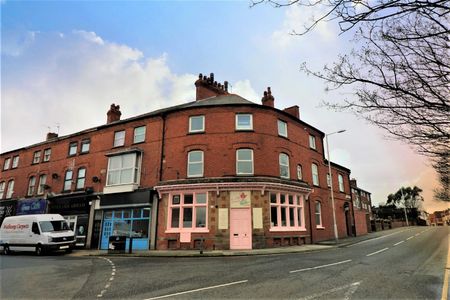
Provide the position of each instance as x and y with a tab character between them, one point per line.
406	263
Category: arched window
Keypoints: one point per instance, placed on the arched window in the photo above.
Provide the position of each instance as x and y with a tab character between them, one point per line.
284	165
42	182
315	174
31	186
195	164
68	180
10	189
341	183
81	178
299	172
2	189
318	214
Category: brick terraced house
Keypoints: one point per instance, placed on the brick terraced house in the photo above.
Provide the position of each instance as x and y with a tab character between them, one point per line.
220	171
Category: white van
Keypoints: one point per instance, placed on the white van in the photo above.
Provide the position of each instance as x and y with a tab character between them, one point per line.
39	233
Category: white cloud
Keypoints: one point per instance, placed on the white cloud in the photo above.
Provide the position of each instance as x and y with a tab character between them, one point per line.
72	78
244	89
296	19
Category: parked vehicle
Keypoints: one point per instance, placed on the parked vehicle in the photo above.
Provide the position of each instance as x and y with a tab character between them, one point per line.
40	233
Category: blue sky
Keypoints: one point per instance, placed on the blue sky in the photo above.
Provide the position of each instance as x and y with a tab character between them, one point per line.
64	62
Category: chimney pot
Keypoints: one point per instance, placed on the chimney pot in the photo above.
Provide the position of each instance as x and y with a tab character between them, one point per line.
51	135
268	99
113	114
208	87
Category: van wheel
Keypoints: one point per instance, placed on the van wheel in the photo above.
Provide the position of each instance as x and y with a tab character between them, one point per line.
39	251
6	250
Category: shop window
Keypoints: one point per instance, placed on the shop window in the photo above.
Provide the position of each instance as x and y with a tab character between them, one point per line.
2	189
312	142
10	189
42	182
7	163
195	164
315	174
47	154
284	165
31	186
73	148
81	178
15	162
139	134
282	128
244	162
244	122
196	124
119	138
341	183
286	212
37	157
123	169
187	212
68	180
318	213
85	145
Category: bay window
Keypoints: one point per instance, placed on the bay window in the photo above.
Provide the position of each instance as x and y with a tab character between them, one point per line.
123	169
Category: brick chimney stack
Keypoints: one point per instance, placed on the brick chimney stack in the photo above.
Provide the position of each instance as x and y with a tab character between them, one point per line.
113	114
207	87
51	136
268	99
293	111
353	182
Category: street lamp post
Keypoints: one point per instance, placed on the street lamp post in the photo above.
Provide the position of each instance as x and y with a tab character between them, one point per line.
336	238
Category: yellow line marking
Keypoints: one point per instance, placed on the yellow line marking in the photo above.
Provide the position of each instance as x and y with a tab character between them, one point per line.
446	274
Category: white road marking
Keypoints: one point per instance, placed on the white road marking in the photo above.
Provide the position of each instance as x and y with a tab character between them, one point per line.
411	237
396	244
198	290
417	234
351	289
381	237
323	266
113	272
379	251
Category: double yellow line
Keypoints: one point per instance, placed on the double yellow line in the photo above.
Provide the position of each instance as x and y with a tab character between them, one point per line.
446	274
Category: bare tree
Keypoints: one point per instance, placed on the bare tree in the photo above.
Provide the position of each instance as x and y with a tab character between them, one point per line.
399	69
442	166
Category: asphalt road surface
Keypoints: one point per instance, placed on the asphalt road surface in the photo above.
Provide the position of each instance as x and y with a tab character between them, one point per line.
409	263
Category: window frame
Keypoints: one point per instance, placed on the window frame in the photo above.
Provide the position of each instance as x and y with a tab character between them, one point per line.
299	172
318	213
83	143
341	183
138	135
15	162
31	185
296	206
285	166
191	118
68	181
80	178
117	140
328	180
47	154
7	163
315	175
36	157
181	207
136	169
285	125
189	163
2	189
72	146
243	161
42	182
238	127
10	189
312	142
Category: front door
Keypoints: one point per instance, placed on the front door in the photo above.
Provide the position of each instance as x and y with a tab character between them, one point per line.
106	233
240	228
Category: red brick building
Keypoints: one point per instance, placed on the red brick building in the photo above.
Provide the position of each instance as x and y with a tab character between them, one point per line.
362	207
221	170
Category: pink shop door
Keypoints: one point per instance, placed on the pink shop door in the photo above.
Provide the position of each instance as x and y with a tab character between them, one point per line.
240	228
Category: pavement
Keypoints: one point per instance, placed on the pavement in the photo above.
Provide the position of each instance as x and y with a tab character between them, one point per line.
319	246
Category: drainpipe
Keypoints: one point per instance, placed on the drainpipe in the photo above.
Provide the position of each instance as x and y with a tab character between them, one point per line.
155	203
163	117
310	220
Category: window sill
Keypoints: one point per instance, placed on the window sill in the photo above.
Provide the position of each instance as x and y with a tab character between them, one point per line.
281	229
196	132
83	153
320	227
283	137
244	130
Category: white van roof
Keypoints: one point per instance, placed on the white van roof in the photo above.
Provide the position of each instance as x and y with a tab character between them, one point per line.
40	217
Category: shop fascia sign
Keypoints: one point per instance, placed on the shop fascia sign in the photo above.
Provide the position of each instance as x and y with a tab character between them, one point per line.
240	199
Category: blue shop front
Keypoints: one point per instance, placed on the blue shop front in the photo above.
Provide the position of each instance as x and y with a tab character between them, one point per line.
128	215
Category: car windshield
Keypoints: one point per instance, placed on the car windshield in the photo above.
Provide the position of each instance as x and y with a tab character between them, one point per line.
48	226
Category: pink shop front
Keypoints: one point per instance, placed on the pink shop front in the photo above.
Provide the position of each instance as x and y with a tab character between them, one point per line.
258	213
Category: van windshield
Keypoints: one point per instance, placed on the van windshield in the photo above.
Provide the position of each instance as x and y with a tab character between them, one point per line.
48	226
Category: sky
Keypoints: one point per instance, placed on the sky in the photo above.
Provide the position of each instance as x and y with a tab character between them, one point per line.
64	62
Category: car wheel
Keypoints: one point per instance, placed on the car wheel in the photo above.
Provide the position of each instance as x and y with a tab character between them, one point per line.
6	250
39	251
